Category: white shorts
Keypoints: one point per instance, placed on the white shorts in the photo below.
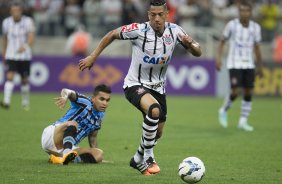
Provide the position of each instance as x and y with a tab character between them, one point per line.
47	141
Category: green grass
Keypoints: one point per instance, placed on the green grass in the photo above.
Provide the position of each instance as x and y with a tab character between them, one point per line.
231	156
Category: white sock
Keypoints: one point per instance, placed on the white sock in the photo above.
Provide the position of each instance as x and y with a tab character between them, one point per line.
138	157
8	90
246	108
226	104
25	94
150	127
148	153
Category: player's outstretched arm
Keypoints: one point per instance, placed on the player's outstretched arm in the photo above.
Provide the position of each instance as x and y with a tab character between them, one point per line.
65	95
192	46
90	60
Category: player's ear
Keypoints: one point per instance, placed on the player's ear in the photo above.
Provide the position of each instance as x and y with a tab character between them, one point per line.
93	98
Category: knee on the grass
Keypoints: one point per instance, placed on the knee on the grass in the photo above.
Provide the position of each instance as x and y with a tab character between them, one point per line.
98	154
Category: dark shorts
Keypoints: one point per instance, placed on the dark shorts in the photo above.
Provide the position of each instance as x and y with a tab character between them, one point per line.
135	93
242	78
21	67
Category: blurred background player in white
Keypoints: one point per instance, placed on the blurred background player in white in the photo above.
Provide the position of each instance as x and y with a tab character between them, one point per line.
84	118
244	36
18	36
153	43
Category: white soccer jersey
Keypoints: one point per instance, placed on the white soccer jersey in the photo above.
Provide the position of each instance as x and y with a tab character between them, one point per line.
241	43
151	54
17	36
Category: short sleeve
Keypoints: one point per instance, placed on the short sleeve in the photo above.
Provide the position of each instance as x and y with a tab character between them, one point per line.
227	30
31	26
257	34
5	26
130	32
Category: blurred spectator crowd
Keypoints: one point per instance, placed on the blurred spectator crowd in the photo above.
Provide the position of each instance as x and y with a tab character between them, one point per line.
61	17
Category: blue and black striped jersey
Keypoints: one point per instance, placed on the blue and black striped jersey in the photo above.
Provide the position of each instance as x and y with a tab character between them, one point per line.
83	112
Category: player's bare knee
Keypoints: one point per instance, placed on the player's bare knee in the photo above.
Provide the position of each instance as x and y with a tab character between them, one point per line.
98	154
234	93
24	82
100	157
154	111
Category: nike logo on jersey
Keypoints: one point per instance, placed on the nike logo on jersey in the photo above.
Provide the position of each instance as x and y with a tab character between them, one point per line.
156	60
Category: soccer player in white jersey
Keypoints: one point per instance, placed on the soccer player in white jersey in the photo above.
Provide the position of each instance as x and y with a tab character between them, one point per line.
244	36
18	36
152	45
83	119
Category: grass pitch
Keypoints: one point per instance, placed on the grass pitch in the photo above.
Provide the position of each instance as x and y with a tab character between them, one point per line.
231	156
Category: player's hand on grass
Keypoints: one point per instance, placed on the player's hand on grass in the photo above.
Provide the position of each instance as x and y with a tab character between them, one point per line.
60	102
86	62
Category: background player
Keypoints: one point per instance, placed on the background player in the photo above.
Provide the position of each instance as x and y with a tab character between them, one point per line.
244	36
83	119
152	45
18	36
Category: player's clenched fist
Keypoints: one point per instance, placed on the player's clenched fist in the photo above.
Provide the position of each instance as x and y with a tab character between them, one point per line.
186	39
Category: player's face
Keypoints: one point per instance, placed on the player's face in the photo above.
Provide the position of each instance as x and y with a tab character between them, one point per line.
16	12
101	101
157	16
245	12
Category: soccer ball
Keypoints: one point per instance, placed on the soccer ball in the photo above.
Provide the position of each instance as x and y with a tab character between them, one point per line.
191	170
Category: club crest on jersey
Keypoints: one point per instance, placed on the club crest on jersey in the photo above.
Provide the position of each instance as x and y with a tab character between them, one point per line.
167	39
156	60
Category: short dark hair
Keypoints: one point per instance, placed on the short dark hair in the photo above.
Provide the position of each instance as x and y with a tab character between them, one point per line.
158	2
102	88
16	3
246	3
